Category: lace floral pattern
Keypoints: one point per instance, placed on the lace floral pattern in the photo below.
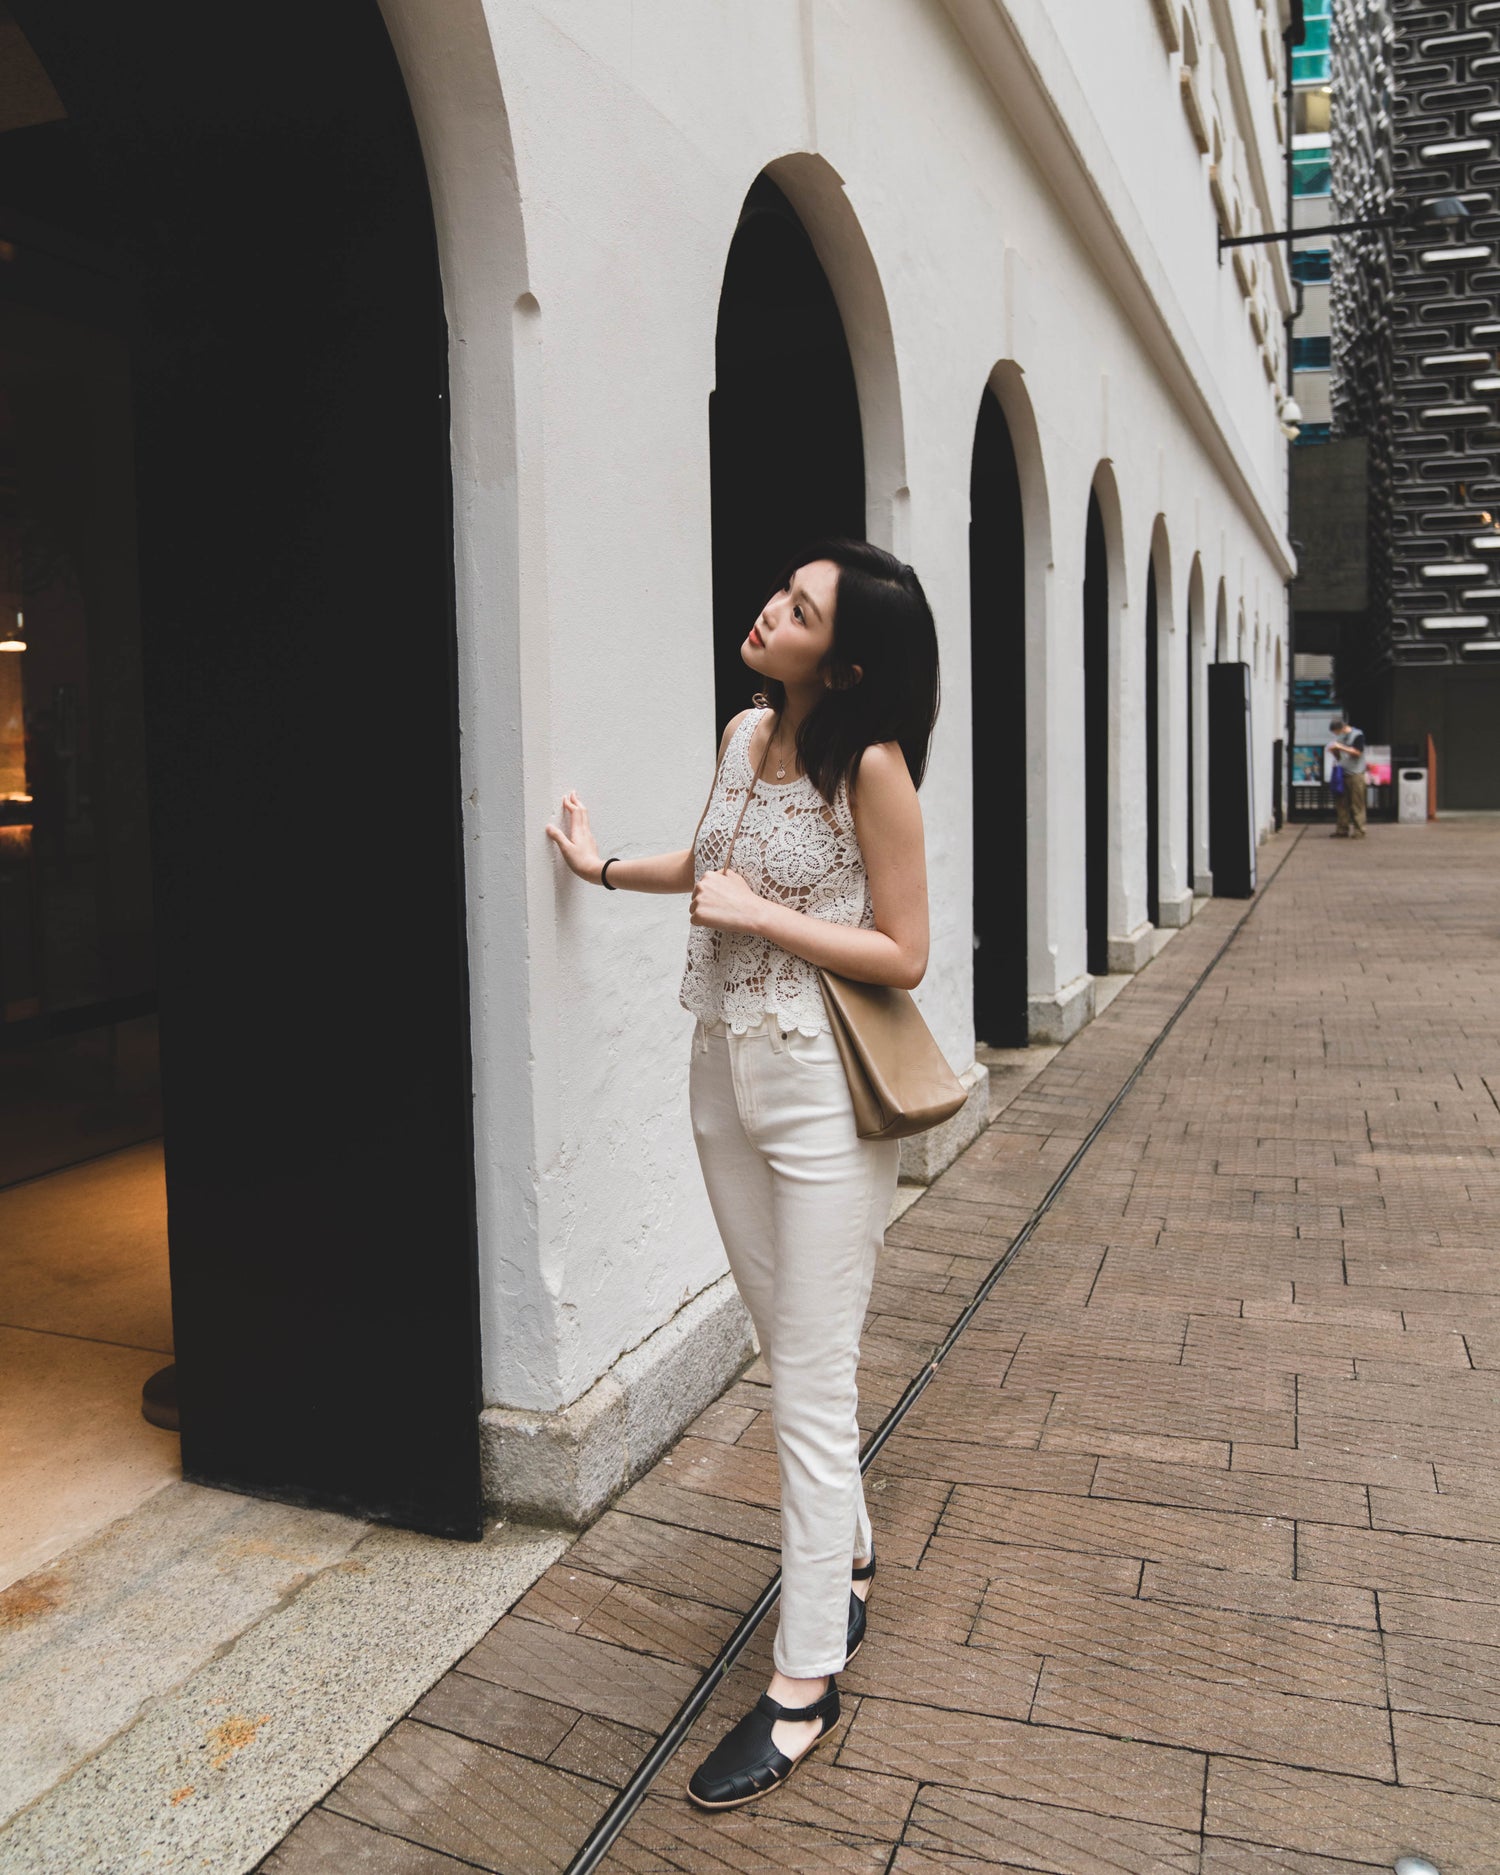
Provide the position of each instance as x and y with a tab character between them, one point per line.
795	849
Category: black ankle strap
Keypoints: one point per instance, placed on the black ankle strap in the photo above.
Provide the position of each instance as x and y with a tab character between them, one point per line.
863	1571
775	1710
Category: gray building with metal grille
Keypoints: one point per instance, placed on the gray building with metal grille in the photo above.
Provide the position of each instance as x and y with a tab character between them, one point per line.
1415	325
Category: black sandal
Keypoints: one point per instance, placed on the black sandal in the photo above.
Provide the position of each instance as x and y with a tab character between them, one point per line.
856	1636
745	1764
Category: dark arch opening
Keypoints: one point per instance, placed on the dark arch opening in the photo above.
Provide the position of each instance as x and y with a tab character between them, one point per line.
1096	737
785	445
997	636
240	218
1190	744
1153	752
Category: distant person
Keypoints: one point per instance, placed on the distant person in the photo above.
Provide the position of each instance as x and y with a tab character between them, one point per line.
1349	746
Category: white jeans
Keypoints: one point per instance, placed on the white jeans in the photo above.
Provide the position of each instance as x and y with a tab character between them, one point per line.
801	1203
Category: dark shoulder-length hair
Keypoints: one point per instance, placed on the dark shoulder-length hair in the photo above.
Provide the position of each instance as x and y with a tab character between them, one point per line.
883	623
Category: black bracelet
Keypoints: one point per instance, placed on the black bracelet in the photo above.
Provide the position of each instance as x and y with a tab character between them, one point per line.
604	873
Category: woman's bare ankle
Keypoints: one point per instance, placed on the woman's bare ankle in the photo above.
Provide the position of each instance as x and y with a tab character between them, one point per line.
787	1691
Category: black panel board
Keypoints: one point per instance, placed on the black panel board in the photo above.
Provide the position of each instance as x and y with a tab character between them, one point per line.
1231	803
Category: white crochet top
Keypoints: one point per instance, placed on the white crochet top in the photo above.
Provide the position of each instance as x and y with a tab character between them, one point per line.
794	849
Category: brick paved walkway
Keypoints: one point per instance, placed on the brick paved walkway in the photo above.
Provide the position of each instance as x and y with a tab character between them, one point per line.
1190	1554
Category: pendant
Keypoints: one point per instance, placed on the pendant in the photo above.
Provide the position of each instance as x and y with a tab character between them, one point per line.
781	771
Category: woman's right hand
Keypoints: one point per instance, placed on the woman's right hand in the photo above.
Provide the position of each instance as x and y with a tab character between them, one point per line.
578	845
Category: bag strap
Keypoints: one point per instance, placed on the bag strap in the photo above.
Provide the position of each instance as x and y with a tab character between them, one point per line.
744	804
736	834
718	766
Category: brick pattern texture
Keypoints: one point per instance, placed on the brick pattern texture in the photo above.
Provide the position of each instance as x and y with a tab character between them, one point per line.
1189	1554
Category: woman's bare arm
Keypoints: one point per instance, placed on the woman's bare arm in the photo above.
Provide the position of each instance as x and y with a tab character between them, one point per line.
651	872
654	872
888	821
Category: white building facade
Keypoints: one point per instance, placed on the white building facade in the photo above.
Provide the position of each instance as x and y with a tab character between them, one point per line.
1016	198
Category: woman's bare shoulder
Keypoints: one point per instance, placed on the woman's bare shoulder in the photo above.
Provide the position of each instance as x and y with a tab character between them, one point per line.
882	771
732	725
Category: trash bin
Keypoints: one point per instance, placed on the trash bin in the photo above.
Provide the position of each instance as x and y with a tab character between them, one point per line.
1411	794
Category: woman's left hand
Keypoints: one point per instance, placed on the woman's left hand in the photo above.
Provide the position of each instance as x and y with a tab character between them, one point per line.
724	901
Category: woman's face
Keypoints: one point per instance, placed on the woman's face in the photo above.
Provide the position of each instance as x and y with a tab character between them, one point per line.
794	633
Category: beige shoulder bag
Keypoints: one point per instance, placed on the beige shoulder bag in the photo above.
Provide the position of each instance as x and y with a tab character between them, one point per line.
898	1079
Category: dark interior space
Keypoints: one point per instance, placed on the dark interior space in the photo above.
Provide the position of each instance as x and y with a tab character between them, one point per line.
786	448
79	1072
1096	738
1191	741
1153	752
225	234
997	627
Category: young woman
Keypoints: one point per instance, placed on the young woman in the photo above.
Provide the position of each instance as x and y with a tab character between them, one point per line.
828	868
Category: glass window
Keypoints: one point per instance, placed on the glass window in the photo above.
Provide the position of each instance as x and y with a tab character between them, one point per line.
1312	111
1313	433
1310	171
1313	266
1310	60
1311	353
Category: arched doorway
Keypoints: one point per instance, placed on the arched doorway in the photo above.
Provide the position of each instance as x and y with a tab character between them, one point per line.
785	439
997	636
1167	757
247	216
1153	748
1096	736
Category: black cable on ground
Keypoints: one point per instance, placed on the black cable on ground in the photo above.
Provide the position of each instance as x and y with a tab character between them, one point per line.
602	1837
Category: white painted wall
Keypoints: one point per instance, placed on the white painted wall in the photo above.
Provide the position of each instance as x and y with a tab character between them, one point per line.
1019	190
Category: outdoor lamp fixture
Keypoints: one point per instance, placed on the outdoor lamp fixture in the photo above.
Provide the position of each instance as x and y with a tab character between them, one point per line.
1298	234
1290	413
1448	211
15	642
1444	211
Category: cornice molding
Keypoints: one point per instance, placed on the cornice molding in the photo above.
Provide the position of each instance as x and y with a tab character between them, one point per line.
1015	47
1244	111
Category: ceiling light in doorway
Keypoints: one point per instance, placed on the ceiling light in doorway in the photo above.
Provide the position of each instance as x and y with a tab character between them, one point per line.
15	642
